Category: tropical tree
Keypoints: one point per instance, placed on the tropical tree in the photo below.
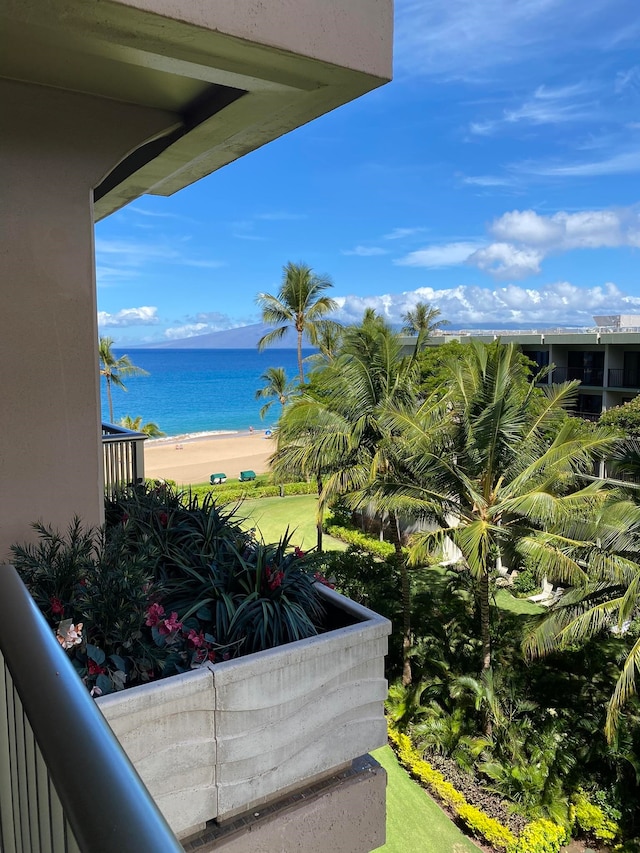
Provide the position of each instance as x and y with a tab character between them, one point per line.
277	387
485	474
336	431
604	548
114	369
301	303
151	429
422	320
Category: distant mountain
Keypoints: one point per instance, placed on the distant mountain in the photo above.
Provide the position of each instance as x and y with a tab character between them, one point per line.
244	337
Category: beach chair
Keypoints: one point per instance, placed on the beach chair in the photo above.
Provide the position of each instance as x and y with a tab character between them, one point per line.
216	479
246	476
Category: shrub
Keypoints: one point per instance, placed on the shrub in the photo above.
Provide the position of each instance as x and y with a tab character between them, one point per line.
171	582
361	540
541	836
591	818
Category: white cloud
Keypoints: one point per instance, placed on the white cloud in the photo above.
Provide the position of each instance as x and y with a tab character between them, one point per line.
624	163
547	105
202	323
462	38
557	304
146	315
505	261
401	233
443	255
365	251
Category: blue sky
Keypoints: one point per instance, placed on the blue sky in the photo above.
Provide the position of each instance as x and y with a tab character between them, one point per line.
496	177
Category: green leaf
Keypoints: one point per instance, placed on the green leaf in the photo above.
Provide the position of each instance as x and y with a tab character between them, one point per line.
96	654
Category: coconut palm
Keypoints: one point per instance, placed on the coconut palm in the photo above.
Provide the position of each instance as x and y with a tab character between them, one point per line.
135	424
489	478
606	546
336	430
277	387
300	304
422	320
113	369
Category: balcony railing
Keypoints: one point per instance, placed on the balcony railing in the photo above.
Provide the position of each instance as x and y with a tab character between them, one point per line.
66	785
623	378
123	457
587	375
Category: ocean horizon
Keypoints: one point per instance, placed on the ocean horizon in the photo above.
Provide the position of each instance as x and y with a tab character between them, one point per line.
191	393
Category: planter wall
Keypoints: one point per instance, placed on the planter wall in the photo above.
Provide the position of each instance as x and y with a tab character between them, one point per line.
217	741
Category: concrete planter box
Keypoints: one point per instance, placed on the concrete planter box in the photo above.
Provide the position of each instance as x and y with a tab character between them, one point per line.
217	741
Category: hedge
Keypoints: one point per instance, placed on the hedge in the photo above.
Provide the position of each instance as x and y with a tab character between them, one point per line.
362	540
540	836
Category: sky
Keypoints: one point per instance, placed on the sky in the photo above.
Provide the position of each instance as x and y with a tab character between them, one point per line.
497	177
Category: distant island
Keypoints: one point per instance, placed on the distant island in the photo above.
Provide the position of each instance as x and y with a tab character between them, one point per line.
242	337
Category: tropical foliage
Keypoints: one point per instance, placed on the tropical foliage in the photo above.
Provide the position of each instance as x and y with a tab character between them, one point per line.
114	369
301	304
277	387
458	453
151	429
169	583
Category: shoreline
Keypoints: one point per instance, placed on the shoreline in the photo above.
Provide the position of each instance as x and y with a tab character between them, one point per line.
192	458
208	435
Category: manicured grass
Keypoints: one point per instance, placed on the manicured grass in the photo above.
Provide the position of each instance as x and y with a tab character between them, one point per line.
415	824
272	516
519	606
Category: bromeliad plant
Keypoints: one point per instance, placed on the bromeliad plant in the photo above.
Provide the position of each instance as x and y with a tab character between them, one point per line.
170	583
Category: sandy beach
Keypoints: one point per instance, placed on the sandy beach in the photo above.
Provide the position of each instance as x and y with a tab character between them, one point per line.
192	460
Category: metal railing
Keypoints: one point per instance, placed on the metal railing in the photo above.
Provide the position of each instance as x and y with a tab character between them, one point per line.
66	785
586	375
623	378
123	457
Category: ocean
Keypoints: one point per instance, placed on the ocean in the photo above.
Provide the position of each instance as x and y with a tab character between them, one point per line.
193	392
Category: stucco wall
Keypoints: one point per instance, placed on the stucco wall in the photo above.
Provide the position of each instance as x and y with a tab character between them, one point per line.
54	148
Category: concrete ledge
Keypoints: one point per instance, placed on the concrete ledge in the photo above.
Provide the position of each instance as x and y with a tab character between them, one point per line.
345	812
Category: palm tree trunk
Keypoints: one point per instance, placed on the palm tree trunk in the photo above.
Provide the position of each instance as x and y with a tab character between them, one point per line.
484	622
109	399
485	634
406	601
300	370
319	519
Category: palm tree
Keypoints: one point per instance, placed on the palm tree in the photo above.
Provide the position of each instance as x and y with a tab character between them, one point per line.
422	321
336	431
605	546
135	424
485	472
300	304
113	369
277	386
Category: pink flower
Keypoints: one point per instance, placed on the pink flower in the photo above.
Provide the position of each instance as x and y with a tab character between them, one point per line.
57	607
196	640
95	691
321	579
70	637
168	626
155	613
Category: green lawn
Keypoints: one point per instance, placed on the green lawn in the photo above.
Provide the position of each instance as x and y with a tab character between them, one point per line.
271	516
415	824
519	606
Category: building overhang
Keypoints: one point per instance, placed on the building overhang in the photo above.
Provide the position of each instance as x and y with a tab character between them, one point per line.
232	75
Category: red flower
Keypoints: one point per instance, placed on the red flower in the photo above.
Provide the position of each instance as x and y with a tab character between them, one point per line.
321	579
57	607
163	518
95	668
196	640
275	580
298	552
168	626
155	613
124	518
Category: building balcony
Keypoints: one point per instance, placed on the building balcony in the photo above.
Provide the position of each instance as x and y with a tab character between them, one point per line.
624	378
592	376
122	457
